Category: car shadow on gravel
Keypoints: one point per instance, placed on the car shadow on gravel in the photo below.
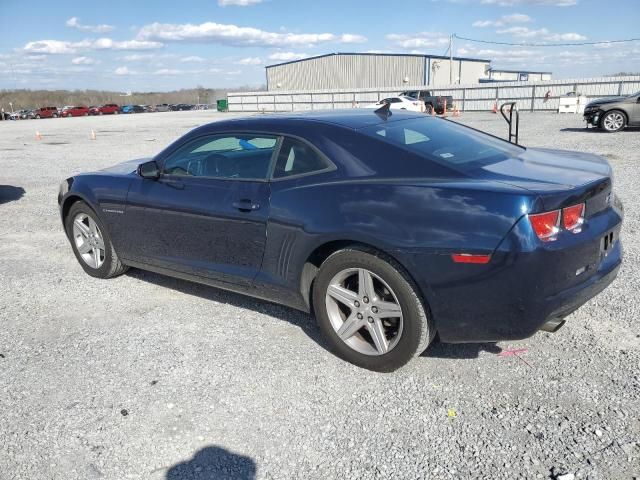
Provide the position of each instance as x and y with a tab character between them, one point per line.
460	350
9	193
214	462
300	319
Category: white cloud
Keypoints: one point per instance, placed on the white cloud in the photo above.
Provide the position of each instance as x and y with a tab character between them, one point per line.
287	56
512	3
123	71
542	33
238	3
83	61
167	71
193	58
250	61
74	22
137	57
55	47
239	36
419	40
504	20
352	38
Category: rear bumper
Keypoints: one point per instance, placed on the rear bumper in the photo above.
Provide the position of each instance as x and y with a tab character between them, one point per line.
524	286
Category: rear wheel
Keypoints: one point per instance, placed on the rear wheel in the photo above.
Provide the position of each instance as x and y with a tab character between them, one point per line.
369	310
91	243
38	116
613	121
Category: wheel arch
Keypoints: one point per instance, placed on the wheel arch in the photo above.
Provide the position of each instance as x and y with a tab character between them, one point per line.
71	199
617	109
317	257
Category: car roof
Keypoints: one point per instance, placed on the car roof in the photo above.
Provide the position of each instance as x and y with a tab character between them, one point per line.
354	118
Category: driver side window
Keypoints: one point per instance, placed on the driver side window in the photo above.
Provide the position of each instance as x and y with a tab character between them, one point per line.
223	156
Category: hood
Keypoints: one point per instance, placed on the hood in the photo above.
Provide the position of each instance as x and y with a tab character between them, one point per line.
125	168
538	169
604	101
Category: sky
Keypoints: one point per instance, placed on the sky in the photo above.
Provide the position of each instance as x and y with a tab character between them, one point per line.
160	45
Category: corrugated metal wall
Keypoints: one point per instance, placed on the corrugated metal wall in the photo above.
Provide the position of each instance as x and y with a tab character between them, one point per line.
529	95
367	71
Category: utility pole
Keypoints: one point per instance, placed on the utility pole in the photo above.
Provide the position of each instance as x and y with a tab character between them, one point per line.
451	59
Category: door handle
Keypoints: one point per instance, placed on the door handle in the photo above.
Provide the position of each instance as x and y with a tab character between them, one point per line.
246	205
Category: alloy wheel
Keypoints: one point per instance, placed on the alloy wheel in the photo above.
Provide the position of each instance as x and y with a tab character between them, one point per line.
613	121
364	311
88	240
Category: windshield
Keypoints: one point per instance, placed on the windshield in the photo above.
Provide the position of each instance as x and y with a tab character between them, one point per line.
445	142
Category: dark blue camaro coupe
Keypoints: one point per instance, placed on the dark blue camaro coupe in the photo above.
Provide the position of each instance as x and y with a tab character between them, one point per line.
392	229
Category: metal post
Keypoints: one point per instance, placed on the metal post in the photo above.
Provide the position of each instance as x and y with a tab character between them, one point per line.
464	97
533	98
451	59
333	101
620	89
311	97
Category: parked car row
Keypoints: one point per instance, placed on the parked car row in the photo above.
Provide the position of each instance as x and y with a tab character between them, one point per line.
106	109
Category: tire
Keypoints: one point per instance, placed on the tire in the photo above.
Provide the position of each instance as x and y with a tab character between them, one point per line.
100	112
111	265
613	121
38	117
406	336
55	115
116	112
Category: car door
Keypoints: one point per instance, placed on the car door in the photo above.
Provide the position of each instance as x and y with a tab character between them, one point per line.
206	214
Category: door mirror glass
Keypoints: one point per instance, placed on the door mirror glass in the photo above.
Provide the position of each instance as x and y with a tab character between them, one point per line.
149	170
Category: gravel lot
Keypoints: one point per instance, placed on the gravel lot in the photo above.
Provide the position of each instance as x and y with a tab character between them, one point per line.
146	377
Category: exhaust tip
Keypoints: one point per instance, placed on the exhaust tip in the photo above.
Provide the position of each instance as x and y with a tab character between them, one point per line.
552	326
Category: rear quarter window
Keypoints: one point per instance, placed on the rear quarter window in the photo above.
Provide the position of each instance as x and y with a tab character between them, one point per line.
444	142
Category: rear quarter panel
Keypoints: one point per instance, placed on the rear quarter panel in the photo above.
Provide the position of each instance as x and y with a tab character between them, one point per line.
417	222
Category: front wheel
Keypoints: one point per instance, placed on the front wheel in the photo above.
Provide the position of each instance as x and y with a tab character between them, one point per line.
91	243
370	311
613	121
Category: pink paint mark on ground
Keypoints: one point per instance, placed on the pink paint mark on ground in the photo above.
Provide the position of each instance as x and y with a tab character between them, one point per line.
515	353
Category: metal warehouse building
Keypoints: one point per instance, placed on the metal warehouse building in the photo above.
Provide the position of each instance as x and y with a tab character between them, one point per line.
374	70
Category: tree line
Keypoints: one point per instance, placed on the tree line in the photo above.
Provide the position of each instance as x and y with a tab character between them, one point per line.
22	99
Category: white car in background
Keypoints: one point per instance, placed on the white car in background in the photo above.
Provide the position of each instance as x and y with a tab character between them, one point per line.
400	103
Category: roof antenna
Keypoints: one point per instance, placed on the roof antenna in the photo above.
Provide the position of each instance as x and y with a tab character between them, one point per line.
384	111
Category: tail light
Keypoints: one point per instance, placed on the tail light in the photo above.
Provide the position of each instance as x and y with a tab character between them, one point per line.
573	218
546	225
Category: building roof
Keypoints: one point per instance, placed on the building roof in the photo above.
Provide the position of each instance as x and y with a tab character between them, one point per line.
518	71
441	57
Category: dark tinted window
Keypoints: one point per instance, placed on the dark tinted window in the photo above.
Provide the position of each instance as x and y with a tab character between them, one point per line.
223	156
297	158
445	142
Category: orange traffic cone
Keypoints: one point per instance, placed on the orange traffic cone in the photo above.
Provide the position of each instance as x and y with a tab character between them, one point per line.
38	136
93	135
495	108
444	109
456	112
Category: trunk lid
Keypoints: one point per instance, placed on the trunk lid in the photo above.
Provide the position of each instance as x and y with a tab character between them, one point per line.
560	178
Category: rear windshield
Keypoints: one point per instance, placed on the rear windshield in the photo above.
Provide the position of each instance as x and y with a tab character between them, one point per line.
444	142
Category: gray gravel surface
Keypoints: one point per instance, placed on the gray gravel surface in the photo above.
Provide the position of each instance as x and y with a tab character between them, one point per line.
146	377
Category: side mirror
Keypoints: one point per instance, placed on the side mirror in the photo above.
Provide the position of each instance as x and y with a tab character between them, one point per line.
149	170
